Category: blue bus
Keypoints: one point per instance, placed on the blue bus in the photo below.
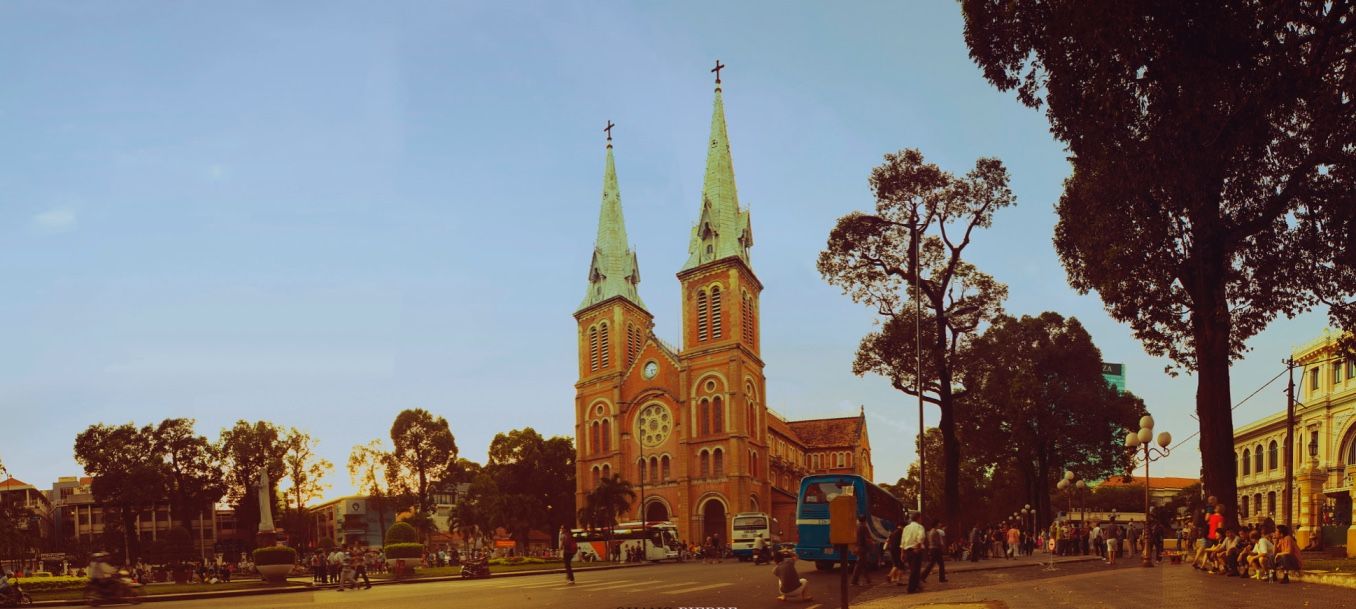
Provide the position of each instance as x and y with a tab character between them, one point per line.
812	515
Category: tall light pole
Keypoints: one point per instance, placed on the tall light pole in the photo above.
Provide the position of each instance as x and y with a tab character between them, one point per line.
918	353
1143	438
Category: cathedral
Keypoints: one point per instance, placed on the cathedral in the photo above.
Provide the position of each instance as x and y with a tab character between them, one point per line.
690	428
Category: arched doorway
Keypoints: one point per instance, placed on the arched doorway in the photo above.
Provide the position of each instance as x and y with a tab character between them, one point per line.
713	520
656	512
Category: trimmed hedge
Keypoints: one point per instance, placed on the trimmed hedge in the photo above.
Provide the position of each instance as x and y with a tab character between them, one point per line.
47	584
275	555
519	560
401	532
404	550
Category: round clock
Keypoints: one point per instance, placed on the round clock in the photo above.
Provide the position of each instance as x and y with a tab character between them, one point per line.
651	369
653	425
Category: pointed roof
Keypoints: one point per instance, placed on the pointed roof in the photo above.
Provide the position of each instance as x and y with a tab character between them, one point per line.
613	270
723	229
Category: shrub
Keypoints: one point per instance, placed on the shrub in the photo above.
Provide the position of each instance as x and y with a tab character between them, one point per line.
401	532
404	550
518	560
275	555
46	584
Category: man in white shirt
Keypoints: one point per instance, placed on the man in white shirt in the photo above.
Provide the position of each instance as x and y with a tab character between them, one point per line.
1095	539
912	543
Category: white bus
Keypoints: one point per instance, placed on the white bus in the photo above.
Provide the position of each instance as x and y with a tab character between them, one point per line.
747	527
660	541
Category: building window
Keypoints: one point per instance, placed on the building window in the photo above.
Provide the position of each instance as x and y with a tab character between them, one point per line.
603	346
1351	369
715	313
597	475
594	442
607	471
1257	459
593	348
1272	461
753	460
664	473
705	467
746	318
1271	503
1257	503
654	469
717	415
718	463
1336	373
1313	381
607	435
1247	462
704	418
701	316
1243	510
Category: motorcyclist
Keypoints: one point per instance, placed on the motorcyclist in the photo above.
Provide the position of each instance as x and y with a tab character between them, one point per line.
759	550
101	574
5	581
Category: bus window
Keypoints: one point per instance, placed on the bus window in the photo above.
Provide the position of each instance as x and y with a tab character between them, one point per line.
750	523
824	492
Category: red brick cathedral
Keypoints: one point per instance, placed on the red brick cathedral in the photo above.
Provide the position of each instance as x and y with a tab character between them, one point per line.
693	424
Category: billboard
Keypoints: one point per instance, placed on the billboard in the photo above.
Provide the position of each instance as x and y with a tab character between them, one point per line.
1114	375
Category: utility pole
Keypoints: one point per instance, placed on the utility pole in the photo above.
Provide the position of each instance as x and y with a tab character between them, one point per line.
918	352
1289	443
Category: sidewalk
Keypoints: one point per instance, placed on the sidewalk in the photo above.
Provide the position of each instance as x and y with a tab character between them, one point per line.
1035	560
312	587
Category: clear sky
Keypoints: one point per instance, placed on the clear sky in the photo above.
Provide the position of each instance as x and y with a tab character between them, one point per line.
322	213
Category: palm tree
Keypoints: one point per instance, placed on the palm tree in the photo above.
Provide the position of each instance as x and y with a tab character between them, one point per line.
602	505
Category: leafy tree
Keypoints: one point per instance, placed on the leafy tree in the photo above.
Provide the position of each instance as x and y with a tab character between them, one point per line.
1037	401
305	471
535	479
473	515
194	481
977	479
1213	147
610	499
926	215
129	475
424	448
367	470
247	449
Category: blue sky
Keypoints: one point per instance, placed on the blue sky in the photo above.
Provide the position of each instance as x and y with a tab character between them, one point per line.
323	213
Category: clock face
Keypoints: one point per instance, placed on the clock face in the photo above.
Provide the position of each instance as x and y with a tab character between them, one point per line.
654	424
651	369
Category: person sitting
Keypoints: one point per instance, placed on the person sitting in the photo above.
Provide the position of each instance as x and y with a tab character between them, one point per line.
1287	553
1233	547
1262	557
789	582
1247	558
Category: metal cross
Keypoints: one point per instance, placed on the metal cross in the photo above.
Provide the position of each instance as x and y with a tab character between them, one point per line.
608	129
717	69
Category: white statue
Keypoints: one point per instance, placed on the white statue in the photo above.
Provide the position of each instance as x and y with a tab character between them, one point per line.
265	509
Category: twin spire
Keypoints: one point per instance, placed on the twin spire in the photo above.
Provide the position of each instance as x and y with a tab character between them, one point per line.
722	230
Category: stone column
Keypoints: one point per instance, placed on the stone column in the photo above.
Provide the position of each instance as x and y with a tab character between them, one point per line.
1309	480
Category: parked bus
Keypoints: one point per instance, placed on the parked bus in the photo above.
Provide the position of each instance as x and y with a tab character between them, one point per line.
748	526
660	541
812	515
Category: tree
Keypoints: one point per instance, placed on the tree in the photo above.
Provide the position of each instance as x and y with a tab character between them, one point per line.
305	471
1213	147
1037	401
129	475
976	480
367	470
535	479
247	449
602	505
194	482
926	215
424	448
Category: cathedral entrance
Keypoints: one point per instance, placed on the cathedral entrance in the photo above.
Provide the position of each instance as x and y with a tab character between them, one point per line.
713	521
656	512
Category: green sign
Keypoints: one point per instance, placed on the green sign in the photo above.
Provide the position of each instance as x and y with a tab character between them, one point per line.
1114	375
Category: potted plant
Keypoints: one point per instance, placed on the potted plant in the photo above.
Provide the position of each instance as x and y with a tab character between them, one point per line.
402	548
274	563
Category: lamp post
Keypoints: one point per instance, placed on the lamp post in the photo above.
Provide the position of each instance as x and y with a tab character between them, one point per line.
1143	438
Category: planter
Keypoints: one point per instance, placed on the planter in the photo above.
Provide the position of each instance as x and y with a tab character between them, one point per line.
394	565
274	574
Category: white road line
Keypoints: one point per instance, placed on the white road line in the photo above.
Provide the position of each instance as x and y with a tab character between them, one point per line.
623	584
695	589
508	583
674	585
815	606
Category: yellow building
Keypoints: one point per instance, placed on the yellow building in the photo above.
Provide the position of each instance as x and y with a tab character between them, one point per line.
1325	449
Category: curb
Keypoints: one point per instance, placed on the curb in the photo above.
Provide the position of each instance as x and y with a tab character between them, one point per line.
192	596
1015	565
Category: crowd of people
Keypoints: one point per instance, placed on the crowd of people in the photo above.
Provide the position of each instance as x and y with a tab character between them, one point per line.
1265	551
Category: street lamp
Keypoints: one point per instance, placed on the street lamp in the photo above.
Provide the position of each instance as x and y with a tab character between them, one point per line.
1143	438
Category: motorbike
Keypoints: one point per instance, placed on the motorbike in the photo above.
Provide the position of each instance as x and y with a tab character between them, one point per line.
14	596
762	557
118	589
475	569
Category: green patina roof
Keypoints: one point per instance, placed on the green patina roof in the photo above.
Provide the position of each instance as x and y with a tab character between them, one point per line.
613	270
723	229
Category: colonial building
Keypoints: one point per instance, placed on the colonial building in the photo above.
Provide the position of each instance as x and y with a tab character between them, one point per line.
1324	451
692	424
78	520
354	520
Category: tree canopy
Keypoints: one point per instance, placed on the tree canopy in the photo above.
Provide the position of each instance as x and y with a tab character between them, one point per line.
193	477
423	450
247	449
129	474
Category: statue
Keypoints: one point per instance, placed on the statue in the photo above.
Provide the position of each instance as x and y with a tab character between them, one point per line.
266	536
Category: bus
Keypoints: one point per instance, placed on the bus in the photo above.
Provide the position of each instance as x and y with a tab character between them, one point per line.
748	526
812	515
660	541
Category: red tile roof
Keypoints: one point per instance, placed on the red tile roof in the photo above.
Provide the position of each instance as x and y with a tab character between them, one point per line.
825	433
779	426
14	483
1154	482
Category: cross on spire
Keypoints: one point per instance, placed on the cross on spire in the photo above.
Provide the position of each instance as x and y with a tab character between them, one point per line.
608	129
719	66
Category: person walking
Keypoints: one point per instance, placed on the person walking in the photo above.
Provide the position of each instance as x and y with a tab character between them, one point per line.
360	569
936	542
863	551
892	553
976	537
568	548
1014	539
912	542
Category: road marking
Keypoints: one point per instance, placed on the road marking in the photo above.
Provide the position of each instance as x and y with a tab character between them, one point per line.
814	606
696	588
593	585
623	584
674	585
507	583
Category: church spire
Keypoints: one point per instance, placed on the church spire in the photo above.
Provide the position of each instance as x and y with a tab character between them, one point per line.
723	229
613	270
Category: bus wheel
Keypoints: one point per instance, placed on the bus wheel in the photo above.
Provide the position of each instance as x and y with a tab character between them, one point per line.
824	565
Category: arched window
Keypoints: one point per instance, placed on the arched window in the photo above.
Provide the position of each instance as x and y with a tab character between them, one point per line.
754	465
849	458
1273	461
701	316
607	472
654	469
1243	510
746	318
705	468
640	470
1247	462
1257	459
717	416
594	442
1271	503
607	435
715	312
664	473
603	346
593	348
718	463
597	475
1257	504
704	418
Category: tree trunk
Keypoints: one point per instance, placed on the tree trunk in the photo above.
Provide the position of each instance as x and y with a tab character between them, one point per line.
947	424
1214	405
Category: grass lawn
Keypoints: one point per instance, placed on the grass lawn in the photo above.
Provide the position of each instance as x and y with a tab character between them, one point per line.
158	589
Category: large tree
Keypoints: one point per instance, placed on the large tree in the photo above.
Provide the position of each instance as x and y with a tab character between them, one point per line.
1037	402
129	475
927	216
535	479
977	479
1213	147
424	450
305	472
368	466
193	482
248	449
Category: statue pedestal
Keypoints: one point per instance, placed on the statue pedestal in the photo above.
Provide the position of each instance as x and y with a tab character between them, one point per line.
264	539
